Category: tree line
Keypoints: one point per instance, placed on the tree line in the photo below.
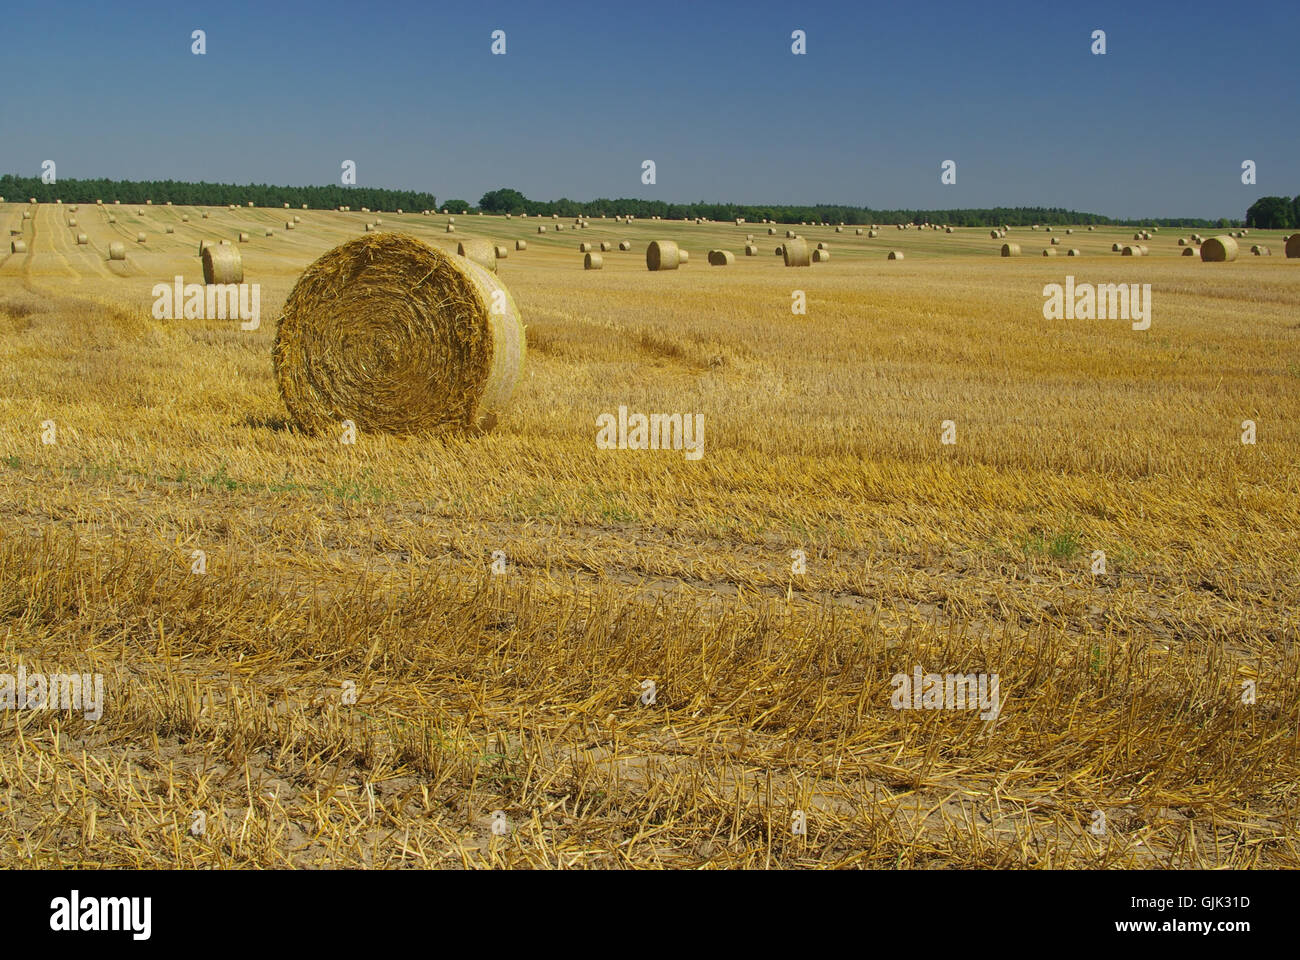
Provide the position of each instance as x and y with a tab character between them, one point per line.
204	194
1274	213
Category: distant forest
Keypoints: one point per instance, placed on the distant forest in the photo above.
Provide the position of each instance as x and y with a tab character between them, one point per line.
1265	213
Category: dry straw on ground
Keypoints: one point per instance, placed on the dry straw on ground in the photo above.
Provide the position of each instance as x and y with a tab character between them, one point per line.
1221	249
796	253
662	255
222	264
482	252
397	336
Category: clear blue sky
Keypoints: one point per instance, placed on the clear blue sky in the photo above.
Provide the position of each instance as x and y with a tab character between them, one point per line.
709	90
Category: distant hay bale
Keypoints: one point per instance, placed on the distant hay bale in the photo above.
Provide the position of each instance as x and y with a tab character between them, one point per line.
592	261
270	232
222	264
873	234
1221	249
721	258
1049	251
683	256
895	255
1261	251
286	206
858	231
17	246
399	337
482	252
822	246
1091	228
1055	241
1073	253
1069	230
502	252
1192	252
289	224
839	229
1182	241
243	237
72	221
994	234
790	234
379	221
27	214
205	214
779	251
370	228
1115	248
1293	246
140	238
1048	229
584	247
1131	251
451	228
625	244
542	228
82	239
297	219
606	246
521	244
662	255
1010	249
169	229
796	253
117	251
185	218
820	256
751	250
946	230
112	219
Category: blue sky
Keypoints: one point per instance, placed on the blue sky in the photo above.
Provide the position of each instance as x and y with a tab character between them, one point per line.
710	91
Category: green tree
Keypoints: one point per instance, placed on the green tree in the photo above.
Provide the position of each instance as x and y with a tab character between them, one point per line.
504	200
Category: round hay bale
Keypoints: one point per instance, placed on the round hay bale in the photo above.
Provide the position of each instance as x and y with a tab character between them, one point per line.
451	228
1182	241
584	247
521	244
289	224
82	239
542	228
895	255
790	235
112	219
1073	253
1010	249
502	252
822	246
1145	249
205	214
721	258
298	219
751	250
117	251
1115	248
820	256
270	232
873	234
858	231
946	230
662	255
592	261
771	231
1137	236
683	256
140	238
482	252
17	246
185	218
1131	251
1049	251
398	337
839	229
779	251
222	264
625	244
1090	229
286	206
606	246
995	234
72	221
203	245
1261	251
796	253
1192	252
370	228
1055	241
27	214
1293	246
169	229
1221	249
1069	230
243	238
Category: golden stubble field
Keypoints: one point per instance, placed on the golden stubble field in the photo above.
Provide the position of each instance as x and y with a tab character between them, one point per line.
369	567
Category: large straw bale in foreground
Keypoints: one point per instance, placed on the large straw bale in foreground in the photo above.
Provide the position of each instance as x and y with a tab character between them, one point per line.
222	264
1219	250
796	253
399	337
662	255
